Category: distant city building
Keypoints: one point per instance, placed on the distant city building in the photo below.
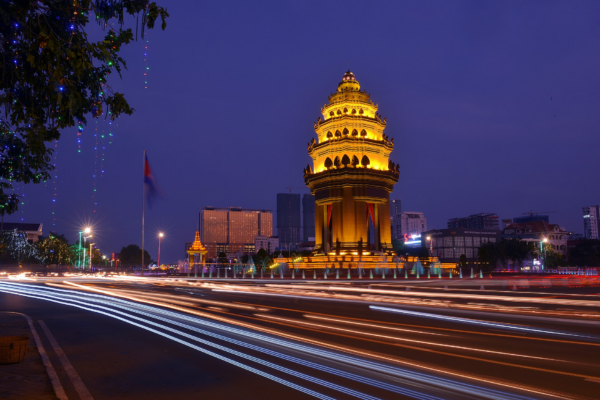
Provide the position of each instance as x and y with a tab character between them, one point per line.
268	243
450	244
506	222
408	224
33	231
308	217
476	221
308	246
288	220
532	218
591	222
232	230
395	207
537	231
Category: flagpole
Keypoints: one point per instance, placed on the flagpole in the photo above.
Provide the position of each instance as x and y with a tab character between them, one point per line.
143	206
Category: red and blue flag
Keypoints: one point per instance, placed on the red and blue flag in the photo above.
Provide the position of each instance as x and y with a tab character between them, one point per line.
151	188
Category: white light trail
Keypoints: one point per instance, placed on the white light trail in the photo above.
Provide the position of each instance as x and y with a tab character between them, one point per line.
478	322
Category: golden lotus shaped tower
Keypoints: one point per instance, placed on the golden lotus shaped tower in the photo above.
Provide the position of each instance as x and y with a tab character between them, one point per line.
352	176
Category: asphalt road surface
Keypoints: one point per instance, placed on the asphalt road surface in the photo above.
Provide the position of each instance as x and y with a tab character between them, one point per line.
164	338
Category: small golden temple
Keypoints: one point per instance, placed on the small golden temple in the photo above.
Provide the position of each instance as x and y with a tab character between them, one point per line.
197	248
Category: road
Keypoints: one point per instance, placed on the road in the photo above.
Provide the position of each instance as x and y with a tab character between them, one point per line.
156	338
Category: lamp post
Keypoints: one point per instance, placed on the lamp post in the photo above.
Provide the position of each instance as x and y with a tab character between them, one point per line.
91	244
86	231
544	251
160	235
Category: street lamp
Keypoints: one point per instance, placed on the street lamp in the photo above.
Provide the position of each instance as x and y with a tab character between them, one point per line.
543	251
86	231
430	246
160	235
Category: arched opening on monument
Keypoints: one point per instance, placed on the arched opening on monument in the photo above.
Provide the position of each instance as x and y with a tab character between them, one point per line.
345	160
337	162
328	163
365	161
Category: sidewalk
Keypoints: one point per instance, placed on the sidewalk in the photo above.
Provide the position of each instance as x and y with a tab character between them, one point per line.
28	379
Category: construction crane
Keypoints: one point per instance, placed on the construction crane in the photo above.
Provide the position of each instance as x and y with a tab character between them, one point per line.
292	233
538	212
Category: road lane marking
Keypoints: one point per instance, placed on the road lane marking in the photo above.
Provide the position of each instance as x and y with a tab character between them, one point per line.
58	388
82	390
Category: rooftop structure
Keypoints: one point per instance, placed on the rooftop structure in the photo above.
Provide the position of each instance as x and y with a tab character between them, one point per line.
476	221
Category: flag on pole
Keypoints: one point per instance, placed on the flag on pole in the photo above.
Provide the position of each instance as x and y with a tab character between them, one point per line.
151	187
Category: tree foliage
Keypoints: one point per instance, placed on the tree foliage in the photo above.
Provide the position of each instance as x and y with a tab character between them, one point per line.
54	249
586	253
132	255
513	250
52	77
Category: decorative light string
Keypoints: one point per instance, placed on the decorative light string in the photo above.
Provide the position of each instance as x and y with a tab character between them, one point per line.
55	192
146	67
95	165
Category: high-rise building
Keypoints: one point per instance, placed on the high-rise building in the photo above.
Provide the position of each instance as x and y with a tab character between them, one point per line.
476	221
233	229
308	217
591	222
351	175
409	224
395	207
288	220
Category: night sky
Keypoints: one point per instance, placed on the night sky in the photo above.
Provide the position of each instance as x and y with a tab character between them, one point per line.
494	107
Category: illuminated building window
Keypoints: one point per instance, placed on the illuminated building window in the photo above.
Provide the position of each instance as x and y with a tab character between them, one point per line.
365	161
328	163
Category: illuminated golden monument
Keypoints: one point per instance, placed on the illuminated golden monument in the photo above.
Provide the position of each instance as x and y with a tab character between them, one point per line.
197	248
352	176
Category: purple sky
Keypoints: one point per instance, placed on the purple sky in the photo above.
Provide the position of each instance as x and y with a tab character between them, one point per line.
494	107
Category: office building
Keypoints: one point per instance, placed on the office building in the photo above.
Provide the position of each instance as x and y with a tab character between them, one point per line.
408	225
267	243
476	221
308	217
395	207
233	229
450	244
288	220
591	222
